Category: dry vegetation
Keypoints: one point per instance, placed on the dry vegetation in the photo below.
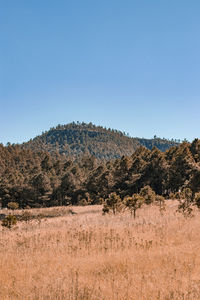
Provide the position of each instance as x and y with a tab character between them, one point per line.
90	256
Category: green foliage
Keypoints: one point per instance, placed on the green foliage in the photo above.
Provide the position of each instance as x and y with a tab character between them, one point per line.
13	205
177	195
197	200
185	207
114	203
181	162
35	178
187	194
148	194
185	202
105	209
9	221
80	138
133	203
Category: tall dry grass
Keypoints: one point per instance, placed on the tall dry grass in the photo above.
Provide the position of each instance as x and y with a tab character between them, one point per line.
90	256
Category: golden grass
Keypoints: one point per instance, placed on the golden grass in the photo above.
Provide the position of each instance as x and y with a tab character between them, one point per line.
90	256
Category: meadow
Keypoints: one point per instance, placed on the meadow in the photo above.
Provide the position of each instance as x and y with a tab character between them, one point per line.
85	255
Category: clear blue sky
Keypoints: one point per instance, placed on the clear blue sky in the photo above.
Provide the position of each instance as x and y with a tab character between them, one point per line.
132	65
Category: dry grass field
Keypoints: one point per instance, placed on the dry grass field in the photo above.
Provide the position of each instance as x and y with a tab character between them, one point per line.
90	256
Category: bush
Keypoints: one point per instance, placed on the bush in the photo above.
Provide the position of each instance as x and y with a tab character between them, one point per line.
148	194
177	195
133	203
105	209
185	208
9	221
187	194
13	205
114	203
26	216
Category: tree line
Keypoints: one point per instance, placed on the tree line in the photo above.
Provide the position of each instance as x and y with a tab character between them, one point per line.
41	179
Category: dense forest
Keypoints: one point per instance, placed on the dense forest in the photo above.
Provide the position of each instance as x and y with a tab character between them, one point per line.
77	139
41	179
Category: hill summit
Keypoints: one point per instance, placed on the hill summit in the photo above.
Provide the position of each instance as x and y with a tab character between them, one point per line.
77	139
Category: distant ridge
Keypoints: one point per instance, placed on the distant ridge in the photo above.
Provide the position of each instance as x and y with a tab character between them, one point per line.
77	139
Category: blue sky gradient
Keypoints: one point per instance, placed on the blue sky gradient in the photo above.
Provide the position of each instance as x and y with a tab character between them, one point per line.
129	65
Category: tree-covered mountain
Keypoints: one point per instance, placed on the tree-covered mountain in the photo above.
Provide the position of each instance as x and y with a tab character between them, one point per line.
77	139
37	174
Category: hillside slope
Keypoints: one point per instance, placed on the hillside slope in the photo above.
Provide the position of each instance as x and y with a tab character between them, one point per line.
75	139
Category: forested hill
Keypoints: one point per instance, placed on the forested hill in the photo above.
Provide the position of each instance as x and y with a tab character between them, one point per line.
161	144
76	139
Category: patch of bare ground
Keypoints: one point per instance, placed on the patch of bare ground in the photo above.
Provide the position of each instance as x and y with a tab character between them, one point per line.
90	256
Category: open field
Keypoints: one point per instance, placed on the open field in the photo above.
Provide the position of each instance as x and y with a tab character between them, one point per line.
90	256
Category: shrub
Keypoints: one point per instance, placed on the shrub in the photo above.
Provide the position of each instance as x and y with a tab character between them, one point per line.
133	203
177	195
105	209
185	208
13	205
148	194
187	194
26	216
9	221
113	202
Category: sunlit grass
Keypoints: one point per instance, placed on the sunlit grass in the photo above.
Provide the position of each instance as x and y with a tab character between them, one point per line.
90	256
